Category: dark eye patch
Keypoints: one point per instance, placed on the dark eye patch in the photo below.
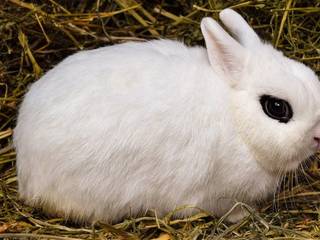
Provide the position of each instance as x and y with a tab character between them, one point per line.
276	108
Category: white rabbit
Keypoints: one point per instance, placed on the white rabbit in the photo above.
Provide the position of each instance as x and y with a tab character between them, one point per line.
156	125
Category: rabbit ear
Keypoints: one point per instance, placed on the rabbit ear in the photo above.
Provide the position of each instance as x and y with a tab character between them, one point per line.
225	54
239	27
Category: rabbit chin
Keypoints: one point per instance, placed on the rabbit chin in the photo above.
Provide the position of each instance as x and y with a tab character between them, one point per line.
282	162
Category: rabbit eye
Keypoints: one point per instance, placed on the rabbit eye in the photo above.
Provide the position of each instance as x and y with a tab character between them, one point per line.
276	108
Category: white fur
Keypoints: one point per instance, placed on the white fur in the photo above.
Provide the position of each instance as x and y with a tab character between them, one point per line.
157	125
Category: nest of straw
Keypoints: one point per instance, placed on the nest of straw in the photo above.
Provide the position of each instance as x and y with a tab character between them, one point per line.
36	35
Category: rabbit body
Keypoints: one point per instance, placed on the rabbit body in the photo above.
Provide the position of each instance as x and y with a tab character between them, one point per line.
135	126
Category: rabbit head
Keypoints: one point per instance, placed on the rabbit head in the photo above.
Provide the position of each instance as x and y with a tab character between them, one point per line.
274	100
